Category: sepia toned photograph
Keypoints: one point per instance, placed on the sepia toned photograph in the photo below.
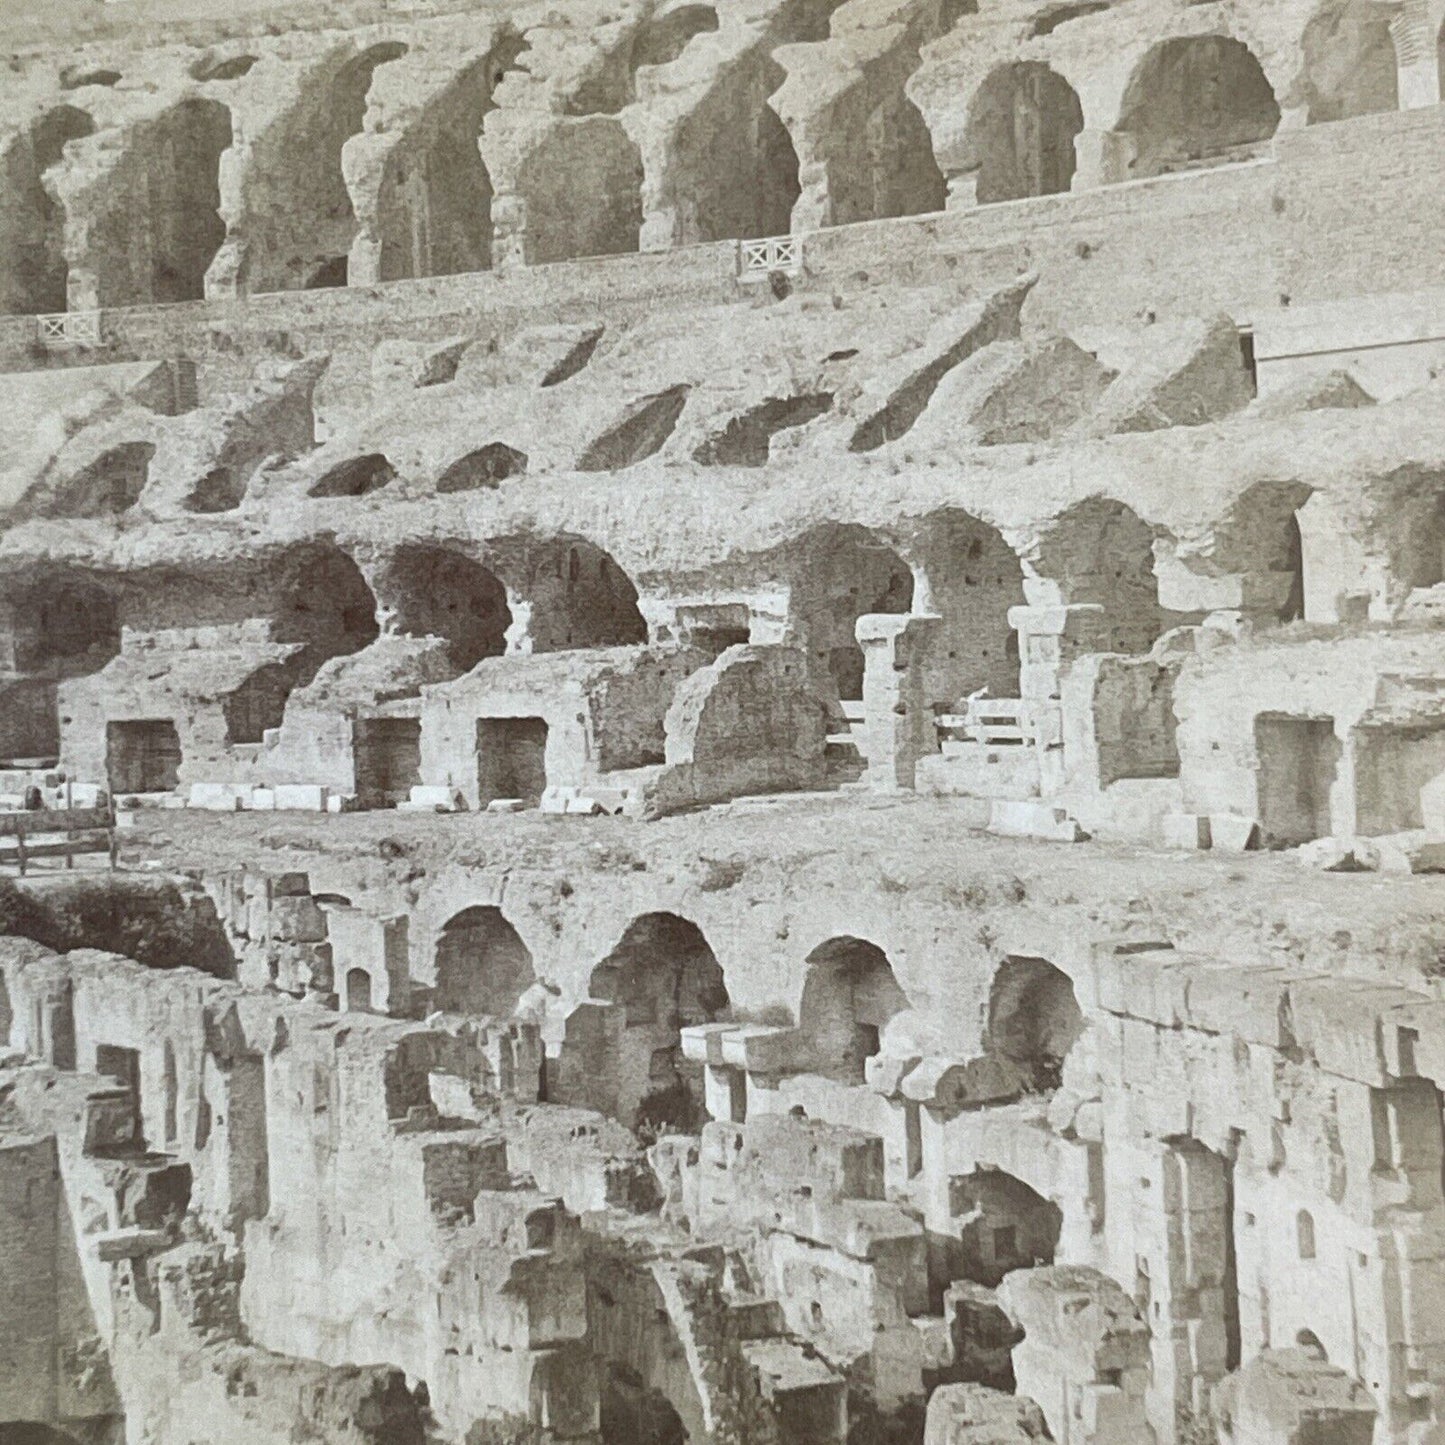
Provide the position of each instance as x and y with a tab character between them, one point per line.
722	722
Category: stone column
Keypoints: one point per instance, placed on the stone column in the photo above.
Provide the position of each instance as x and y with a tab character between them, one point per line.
1103	158
895	707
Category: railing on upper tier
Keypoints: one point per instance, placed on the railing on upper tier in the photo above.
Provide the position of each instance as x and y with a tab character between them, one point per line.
758	259
69	328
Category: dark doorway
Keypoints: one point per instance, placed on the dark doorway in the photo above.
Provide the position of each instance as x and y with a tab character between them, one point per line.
388	759
511	758
142	756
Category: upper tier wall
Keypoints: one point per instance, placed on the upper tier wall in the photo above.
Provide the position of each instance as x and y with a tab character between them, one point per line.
1339	212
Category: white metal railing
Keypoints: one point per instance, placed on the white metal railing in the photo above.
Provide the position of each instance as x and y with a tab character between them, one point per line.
994	722
776	253
69	328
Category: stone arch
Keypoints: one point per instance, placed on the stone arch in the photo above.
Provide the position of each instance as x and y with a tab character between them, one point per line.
845	572
434	206
183	193
1350	65
1258	538
32	225
296	222
665	977
581	189
972	578
1197	100
63	623
1005	1225
1101	552
434	591
324	602
321	601
849	994
1034	1018
1312	1345
1020	136
570	593
739	171
481	966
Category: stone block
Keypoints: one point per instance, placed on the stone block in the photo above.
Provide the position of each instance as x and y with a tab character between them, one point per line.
1185	830
1231	833
123	1244
301	797
214	797
516	805
434	798
263	800
1017	819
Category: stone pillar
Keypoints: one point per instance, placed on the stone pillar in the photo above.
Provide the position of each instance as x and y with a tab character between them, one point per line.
1050	638
895	706
1103	158
1084	1355
1416	56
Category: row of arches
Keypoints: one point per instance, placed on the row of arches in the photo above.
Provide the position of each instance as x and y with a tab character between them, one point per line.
733	172
662	975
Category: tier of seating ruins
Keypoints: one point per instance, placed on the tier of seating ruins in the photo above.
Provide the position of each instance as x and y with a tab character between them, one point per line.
722	722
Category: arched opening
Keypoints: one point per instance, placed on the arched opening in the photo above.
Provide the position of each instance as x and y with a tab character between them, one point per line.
735	172
1034	1018
107	486
1350	65
317	597
1197	101
632	1412
582	192
883	166
436	592
184	193
974	577
846	573
63	625
320	224
355	477
1021	130
849	994
1309	1342
482	966
1002	1225
358	991
1305	1234
324	602
484	469
435	203
32	226
666	977
576	595
1102	552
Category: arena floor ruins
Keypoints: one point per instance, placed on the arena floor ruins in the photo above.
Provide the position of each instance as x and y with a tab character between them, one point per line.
722	722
